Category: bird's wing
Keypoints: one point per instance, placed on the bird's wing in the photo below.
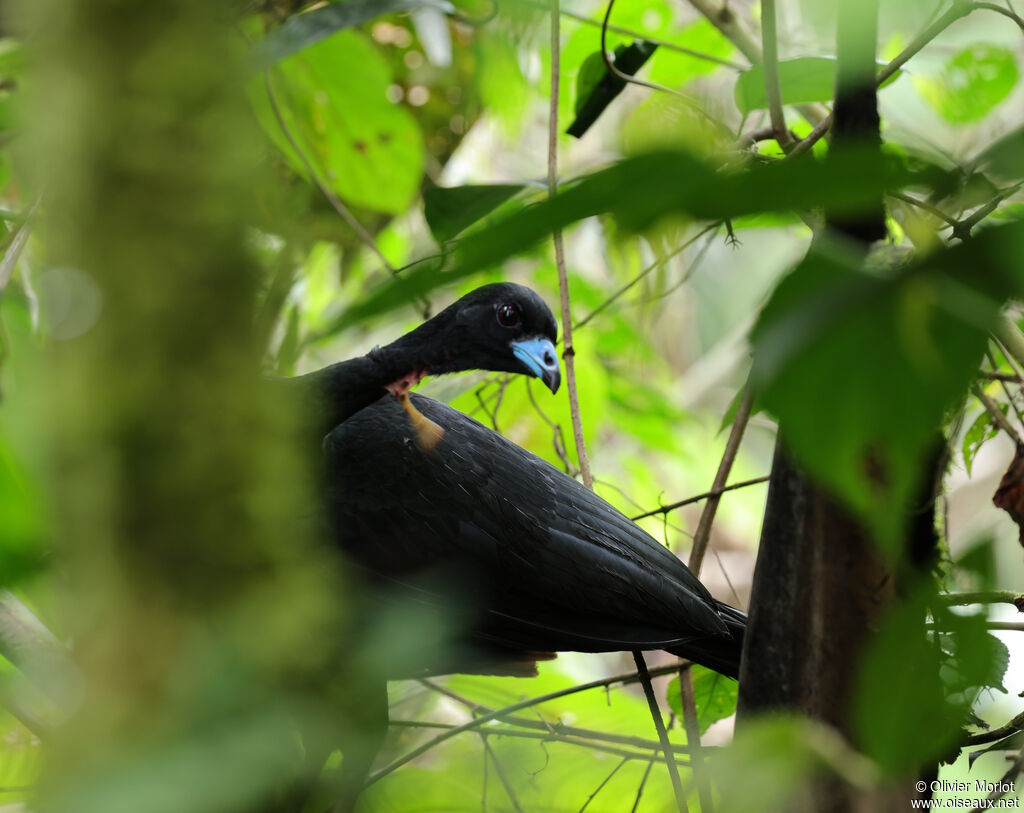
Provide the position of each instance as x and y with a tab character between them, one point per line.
553	564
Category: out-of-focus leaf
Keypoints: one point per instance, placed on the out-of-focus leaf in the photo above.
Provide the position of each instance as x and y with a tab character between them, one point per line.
1005	157
778	758
449	210
641	190
983	429
674	68
372	157
288	353
803	80
900	715
972	82
713	694
1013	742
303	30
596	87
925	328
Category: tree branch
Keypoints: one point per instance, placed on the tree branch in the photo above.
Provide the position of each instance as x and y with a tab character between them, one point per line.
568	352
659	724
773	90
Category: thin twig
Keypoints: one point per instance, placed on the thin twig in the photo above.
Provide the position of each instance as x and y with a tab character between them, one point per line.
700	544
1011	339
638	35
659	724
1004	785
500	771
957	11
984	597
998	418
568	352
726	21
732	445
926	207
336	203
772	87
476	722
604	782
557	729
715	492
995	734
658	263
640	787
1006	390
1009	13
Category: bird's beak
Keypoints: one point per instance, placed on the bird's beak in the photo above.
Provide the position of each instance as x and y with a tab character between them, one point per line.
539	357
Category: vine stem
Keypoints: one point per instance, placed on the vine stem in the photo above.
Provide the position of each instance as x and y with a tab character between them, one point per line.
700	546
773	89
568	352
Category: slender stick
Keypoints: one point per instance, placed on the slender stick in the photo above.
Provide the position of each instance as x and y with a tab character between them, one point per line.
773	90
1010	338
700	545
985	597
476	722
659	724
996	414
732	445
568	352
715	492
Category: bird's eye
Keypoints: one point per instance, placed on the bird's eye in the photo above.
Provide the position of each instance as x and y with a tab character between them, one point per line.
508	315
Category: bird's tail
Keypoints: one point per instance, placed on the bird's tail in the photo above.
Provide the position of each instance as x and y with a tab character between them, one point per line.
721	654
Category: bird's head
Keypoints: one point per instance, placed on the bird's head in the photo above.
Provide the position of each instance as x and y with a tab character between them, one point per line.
501	327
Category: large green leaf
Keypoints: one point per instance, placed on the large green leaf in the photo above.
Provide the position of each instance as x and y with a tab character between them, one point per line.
639	191
714	696
303	30
861	428
803	80
971	83
332	97
449	210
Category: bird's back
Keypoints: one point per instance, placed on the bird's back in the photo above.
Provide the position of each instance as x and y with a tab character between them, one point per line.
548	563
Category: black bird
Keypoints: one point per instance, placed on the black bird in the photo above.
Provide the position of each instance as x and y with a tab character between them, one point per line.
542	563
460	518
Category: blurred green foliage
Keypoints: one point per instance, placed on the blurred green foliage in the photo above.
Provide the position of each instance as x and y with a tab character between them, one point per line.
182	241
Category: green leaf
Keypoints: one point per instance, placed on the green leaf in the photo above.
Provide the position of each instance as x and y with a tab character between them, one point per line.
971	83
982	430
333	99
449	210
303	30
802	80
714	696
640	190
597	87
901	717
924	327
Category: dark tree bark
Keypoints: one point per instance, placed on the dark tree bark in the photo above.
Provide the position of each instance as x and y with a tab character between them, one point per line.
820	585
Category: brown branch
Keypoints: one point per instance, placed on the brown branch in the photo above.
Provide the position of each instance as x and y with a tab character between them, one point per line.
604	782
659	724
995	734
773	90
725	21
476	722
568	352
996	414
715	492
498	769
539	736
984	597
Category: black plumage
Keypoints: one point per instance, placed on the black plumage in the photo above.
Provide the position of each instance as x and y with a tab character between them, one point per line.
545	564
540	563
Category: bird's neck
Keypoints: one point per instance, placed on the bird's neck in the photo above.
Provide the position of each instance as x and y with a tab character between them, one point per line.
335	393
